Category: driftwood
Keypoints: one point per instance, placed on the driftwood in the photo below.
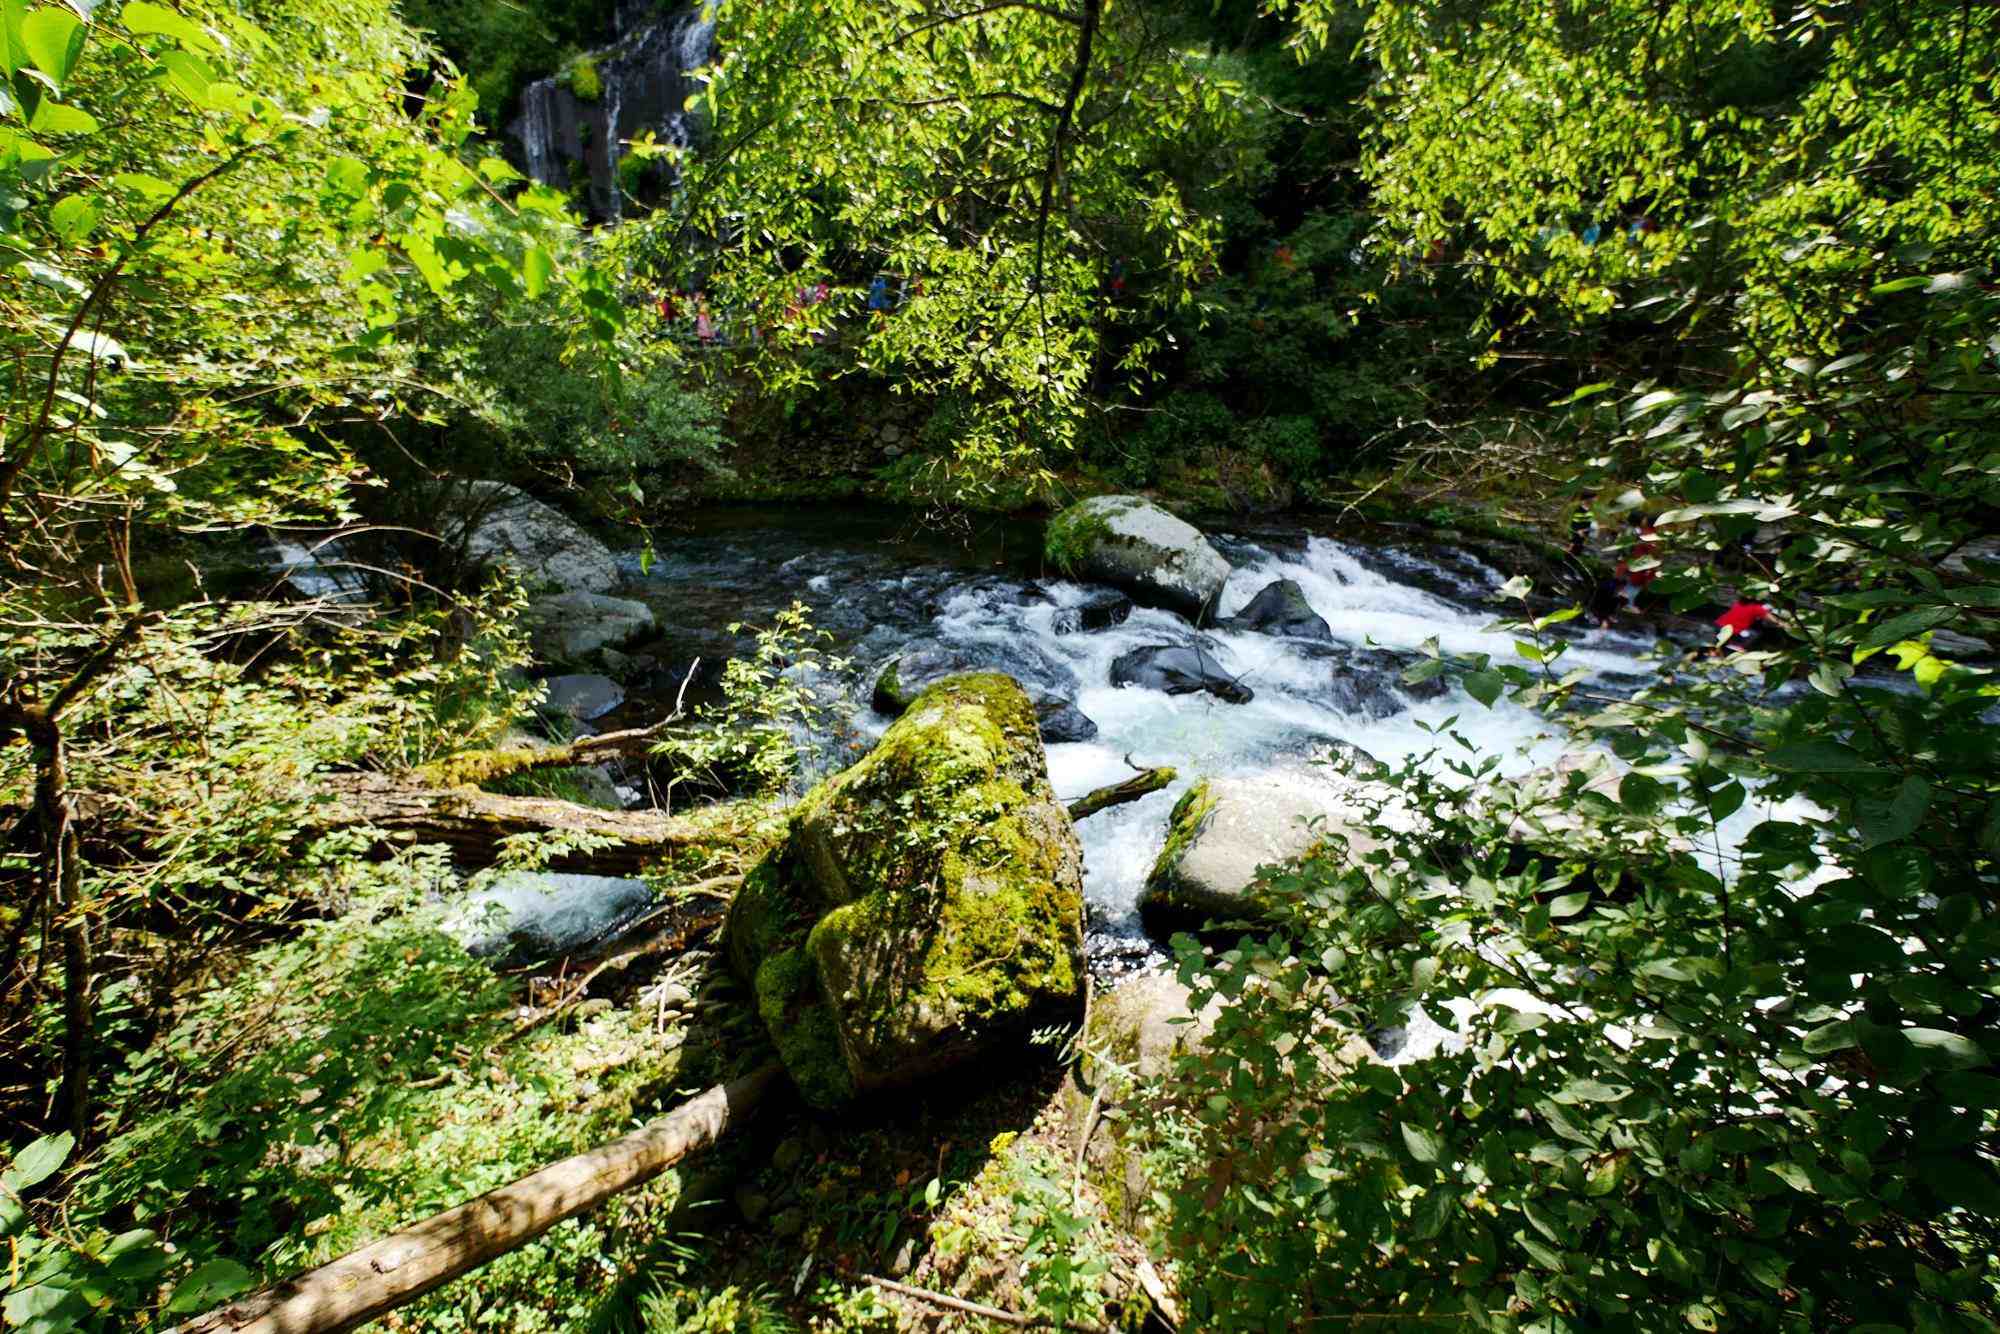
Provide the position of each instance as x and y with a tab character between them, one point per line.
472	822
405	1265
1147	782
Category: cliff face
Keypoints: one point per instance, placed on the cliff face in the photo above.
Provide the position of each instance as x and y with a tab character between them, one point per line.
638	83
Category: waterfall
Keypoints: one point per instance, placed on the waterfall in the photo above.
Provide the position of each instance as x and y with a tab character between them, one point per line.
645	87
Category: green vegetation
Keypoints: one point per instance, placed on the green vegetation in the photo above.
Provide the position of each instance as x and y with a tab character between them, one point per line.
1721	1039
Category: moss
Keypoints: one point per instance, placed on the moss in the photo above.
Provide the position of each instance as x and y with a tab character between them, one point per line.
888	695
585	81
938	880
476	768
1190	813
1072	534
790	1005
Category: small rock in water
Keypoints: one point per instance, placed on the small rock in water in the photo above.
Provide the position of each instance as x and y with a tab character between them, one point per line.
583	696
1178	670
1280	609
1101	612
506	526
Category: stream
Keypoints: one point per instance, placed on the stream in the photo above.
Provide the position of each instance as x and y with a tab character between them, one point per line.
881	583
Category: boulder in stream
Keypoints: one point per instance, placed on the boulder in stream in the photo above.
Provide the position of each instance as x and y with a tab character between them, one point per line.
1137	546
581	696
926	906
1052	687
1280	609
1224	829
545	549
569	627
1178	669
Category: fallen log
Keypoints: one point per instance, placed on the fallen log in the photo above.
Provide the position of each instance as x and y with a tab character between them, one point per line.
405	1265
472	823
1147	782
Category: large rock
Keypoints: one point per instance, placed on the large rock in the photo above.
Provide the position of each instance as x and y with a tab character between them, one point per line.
528	915
926	905
568	627
581	696
546	550
1051	686
1178	669
1141	548
1223	830
1280	609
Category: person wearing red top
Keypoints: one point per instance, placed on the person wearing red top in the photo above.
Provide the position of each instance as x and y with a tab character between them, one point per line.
1742	618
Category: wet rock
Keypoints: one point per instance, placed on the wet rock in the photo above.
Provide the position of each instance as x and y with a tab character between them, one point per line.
528	915
544	548
1223	830
1051	685
582	696
1178	670
926	907
567	627
1280	609
1100	612
1139	547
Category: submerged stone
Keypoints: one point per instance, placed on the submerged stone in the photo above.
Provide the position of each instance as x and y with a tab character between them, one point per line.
567	627
1101	611
926	906
1178	670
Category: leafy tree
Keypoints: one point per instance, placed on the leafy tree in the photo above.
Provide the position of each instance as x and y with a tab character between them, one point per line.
1724	1032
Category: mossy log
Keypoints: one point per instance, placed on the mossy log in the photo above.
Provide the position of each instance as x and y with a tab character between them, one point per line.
1143	784
472	823
476	767
405	1265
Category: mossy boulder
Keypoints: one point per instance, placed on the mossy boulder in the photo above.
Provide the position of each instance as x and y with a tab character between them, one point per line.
1224	830
926	905
1135	545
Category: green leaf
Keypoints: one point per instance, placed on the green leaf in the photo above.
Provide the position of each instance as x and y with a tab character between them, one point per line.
1485	686
1569	905
1640	794
1909	625
1424	1146
75	217
13	52
189	75
53	117
537	268
1945	1048
39	1161
1579	1091
215	1281
143	19
1836	1036
1819	757
53	40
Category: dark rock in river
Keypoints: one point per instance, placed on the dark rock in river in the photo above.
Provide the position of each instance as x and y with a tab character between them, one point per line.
1101	612
582	696
1178	671
1280	609
1050	685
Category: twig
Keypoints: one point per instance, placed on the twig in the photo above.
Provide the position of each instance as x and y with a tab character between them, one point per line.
950	1302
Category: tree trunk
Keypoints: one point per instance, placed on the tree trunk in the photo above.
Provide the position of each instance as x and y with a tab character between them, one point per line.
63	877
1147	782
405	1265
472	822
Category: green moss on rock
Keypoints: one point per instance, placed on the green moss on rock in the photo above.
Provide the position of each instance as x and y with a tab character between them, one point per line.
1070	535
934	888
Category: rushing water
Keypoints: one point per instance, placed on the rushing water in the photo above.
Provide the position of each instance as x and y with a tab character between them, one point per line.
880	584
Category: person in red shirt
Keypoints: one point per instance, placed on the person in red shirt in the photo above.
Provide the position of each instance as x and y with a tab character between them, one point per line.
1744	619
